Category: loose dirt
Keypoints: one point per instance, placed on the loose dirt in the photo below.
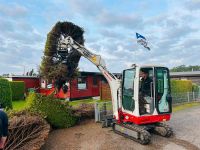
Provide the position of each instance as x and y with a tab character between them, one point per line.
91	136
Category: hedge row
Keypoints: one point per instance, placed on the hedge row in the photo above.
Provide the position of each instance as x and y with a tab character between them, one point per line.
18	89
5	94
195	88
58	113
182	86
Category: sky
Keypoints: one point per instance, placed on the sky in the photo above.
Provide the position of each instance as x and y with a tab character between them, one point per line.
170	26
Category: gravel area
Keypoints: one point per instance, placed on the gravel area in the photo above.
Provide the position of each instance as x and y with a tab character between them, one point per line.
90	136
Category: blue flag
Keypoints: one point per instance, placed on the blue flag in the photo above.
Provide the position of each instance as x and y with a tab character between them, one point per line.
142	40
138	36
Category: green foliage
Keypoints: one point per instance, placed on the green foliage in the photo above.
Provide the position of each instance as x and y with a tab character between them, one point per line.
58	113
52	66
19	105
18	89
181	86
184	68
195	88
185	106
51	70
5	94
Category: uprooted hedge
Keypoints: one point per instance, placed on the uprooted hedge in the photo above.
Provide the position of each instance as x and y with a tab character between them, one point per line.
5	94
54	65
18	89
58	113
27	131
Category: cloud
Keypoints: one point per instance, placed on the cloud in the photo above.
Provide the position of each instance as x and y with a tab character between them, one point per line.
13	10
21	44
112	34
110	20
192	5
85	8
171	30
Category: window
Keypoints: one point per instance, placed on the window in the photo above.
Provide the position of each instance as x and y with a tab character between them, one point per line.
103	80
162	84
128	89
82	83
95	81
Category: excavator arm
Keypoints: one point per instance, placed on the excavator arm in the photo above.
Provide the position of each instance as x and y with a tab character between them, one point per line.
68	44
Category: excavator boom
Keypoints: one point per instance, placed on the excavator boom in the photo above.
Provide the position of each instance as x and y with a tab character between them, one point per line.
69	45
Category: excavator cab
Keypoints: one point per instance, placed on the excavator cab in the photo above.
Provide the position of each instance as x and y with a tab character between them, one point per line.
146	92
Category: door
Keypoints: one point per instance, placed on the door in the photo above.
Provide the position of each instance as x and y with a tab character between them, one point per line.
128	102
163	93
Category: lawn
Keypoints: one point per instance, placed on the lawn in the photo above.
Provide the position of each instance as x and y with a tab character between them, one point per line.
19	105
84	101
184	106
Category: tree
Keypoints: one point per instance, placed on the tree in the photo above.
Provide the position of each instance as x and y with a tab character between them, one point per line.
54	66
184	68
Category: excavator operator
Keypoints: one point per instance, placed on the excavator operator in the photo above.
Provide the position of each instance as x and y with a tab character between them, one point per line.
145	89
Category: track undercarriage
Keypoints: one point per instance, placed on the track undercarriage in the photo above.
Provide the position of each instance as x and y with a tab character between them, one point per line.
140	133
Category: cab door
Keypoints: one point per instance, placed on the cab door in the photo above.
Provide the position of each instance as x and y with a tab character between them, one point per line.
163	97
128	102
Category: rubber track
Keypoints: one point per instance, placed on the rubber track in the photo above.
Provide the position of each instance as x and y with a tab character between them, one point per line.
140	130
169	131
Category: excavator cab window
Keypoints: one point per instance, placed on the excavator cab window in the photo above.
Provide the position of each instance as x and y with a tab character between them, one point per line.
128	102
163	96
146	91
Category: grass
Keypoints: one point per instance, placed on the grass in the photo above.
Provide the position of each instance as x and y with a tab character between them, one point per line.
19	105
84	101
184	106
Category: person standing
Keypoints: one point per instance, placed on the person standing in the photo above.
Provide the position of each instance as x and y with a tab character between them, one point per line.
3	128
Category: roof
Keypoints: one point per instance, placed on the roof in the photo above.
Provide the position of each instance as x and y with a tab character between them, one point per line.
95	73
21	76
185	74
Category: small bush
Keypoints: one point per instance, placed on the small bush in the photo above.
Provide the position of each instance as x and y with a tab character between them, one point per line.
58	113
5	94
181	86
18	89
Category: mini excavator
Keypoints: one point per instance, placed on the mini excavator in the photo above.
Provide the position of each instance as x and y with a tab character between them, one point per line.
131	118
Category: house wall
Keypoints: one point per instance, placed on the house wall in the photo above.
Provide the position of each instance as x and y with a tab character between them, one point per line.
73	91
29	82
91	90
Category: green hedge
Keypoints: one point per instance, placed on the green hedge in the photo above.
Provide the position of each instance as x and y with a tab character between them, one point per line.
58	113
18	89
195	88
5	94
181	86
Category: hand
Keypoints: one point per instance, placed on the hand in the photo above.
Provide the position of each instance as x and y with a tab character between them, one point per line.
2	142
